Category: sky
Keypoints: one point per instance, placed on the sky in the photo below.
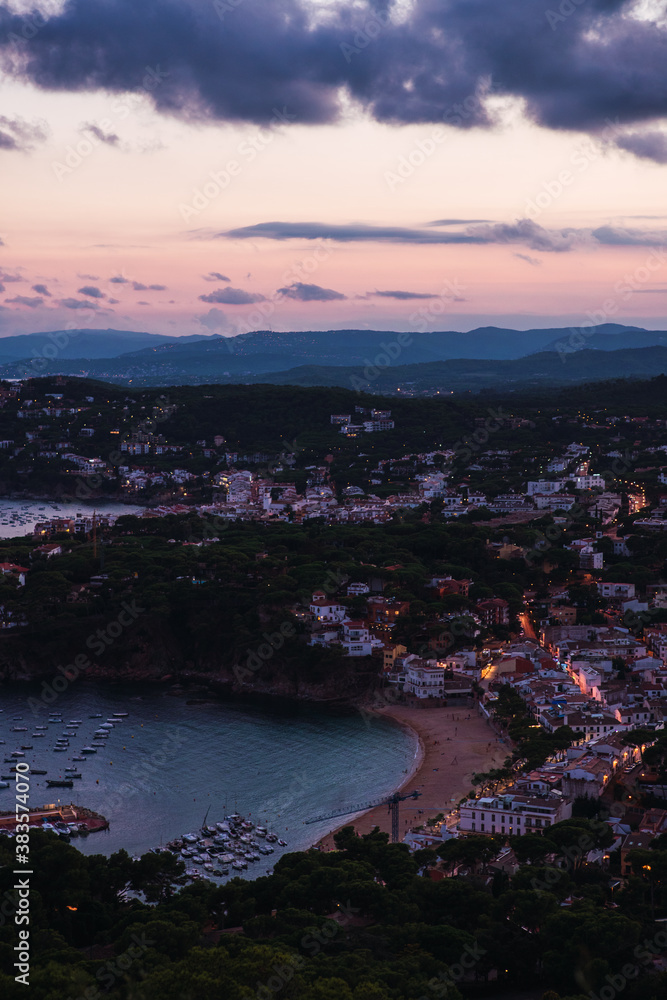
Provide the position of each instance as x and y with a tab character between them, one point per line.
219	166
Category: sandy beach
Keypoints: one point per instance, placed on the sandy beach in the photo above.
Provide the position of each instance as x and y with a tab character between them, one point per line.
455	743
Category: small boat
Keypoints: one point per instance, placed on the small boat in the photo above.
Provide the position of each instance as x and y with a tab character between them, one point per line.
70	773
33	770
191	838
41	727
98	743
282	843
88	750
26	747
260	831
98	715
209	868
120	715
74	722
4	784
17	753
59	783
60	749
73	758
272	838
197	860
37	735
20	729
73	829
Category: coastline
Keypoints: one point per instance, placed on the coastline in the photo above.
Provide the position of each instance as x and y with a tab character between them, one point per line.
453	744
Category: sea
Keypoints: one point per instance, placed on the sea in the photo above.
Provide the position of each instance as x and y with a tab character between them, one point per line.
172	762
19	517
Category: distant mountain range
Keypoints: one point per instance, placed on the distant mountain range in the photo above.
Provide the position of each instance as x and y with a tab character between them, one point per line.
379	360
80	344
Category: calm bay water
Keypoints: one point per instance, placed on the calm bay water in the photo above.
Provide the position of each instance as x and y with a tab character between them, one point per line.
169	762
19	517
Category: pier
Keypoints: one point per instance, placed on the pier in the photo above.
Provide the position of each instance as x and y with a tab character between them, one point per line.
58	813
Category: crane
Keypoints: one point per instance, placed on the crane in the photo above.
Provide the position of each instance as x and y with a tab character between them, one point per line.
392	802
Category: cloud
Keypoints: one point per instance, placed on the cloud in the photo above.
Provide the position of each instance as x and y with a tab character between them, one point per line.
533	261
2	287
215	276
108	138
25	300
16	133
214	319
356	233
89	277
524	231
457	222
428	62
8	277
41	290
92	291
138	286
646	145
404	296
310	293
118	279
79	304
113	302
232	297
618	237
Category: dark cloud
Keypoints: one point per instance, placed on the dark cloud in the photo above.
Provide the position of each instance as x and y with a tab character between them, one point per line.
79	304
345	234
616	236
16	133
404	296
457	222
232	297
575	70
41	290
8	277
310	293
113	302
25	300
138	286
2	287
92	291
524	231
215	276
108	138
646	145
119	280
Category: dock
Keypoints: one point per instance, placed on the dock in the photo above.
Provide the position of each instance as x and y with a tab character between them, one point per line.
58	812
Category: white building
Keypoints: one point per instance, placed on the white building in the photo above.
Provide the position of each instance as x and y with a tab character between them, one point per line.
513	814
425	680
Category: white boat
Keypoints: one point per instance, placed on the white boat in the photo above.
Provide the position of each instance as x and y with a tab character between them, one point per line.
88	750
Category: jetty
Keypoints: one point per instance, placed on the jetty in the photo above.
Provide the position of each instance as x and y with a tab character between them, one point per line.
57	812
